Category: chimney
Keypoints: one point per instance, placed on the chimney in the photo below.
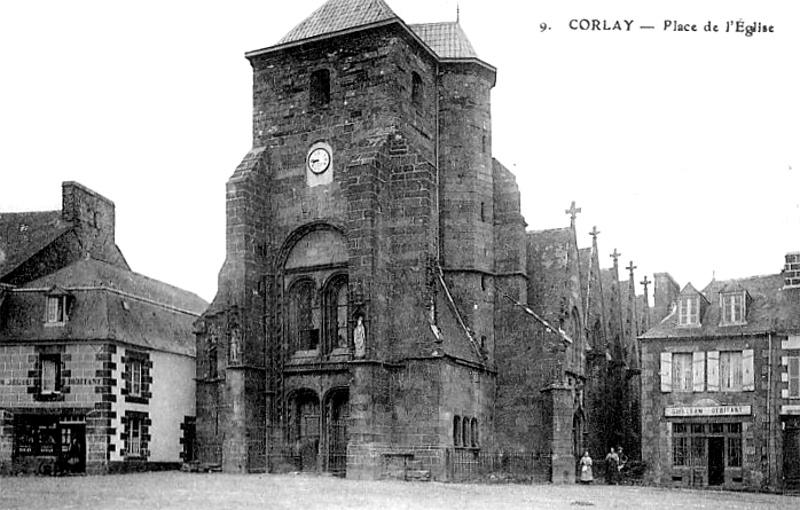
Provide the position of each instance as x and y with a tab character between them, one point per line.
87	209
665	292
791	270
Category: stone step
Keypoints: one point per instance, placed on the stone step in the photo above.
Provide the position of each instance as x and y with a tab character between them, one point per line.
418	475
414	465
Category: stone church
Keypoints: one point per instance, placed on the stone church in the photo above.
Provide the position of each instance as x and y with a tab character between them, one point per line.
381	308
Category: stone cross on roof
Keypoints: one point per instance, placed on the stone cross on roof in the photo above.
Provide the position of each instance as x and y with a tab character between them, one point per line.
630	268
573	211
594	233
645	283
616	255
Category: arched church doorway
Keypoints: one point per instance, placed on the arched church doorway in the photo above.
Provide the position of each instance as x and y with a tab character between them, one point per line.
337	414
304	419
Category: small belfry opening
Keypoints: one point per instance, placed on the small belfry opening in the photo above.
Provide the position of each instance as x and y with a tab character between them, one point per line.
320	87
417	95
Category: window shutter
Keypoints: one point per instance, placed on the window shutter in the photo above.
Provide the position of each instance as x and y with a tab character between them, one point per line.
713	370
699	371
794	377
748	381
666	372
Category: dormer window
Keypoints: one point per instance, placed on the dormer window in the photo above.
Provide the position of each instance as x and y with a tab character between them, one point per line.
56	309
690	311
56	312
733	308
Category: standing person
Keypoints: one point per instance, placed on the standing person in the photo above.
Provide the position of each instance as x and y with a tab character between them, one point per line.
586	469
612	467
623	459
74	456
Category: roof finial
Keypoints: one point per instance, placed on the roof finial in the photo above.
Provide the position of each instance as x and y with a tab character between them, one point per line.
458	12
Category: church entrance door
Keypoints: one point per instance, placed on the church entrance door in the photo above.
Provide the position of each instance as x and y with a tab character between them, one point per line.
337	415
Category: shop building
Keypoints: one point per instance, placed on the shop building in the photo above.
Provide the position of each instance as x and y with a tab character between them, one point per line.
721	389
96	362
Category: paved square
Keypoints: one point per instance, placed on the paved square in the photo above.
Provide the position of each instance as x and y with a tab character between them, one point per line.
174	490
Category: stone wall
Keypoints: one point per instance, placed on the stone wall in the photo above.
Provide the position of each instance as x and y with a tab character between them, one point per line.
757	426
85	391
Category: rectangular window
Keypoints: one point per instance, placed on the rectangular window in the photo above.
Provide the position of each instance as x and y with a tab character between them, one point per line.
56	309
734	451
680	451
682	371
794	377
730	370
136	378
690	311
732	308
49	366
37	436
134	437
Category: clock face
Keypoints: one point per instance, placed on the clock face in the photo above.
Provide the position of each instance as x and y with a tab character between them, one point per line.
319	160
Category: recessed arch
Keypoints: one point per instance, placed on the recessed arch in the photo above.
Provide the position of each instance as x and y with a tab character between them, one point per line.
291	256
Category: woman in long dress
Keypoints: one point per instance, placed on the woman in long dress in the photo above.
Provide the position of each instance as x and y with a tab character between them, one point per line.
586	469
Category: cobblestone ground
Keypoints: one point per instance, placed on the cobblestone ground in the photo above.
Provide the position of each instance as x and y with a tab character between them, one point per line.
187	491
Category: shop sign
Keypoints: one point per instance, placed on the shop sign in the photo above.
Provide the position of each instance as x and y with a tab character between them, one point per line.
707	411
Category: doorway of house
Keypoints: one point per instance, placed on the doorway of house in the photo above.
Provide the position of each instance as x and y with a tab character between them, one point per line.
72	454
716	460
791	454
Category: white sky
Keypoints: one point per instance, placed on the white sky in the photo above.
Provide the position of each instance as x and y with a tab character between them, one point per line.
683	148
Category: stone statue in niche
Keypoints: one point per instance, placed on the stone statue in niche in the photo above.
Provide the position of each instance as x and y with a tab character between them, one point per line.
360	338
234	338
235	347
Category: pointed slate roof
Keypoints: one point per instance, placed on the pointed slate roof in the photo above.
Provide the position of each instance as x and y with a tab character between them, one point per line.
689	290
338	15
447	39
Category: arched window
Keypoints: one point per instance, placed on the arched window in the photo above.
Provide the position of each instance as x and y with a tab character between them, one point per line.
336	313
317	316
475	442
456	430
320	92
303	317
465	432
416	89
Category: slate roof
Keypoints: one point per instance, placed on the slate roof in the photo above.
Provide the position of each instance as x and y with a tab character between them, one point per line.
110	303
772	309
95	273
446	39
22	235
338	15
